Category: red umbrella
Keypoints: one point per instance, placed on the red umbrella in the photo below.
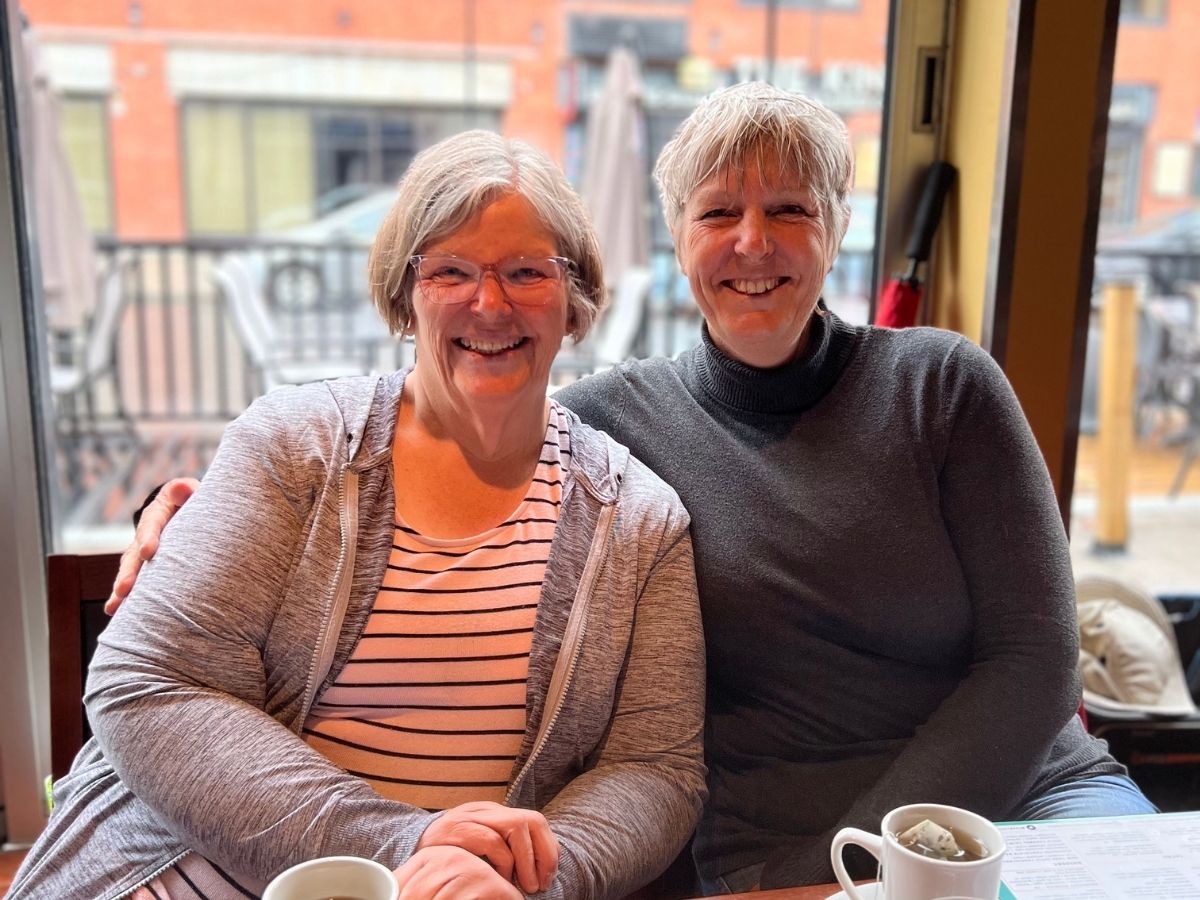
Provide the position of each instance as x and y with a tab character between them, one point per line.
901	297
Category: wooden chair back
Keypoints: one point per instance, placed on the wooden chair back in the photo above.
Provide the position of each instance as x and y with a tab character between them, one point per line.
77	586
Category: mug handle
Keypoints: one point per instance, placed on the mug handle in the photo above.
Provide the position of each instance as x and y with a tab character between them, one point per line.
872	843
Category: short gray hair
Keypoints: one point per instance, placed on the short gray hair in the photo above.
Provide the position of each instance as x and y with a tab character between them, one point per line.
757	120
447	185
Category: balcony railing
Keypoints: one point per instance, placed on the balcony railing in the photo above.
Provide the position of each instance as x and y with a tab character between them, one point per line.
204	326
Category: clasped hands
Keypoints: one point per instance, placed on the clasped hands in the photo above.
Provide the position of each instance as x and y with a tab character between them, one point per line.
481	850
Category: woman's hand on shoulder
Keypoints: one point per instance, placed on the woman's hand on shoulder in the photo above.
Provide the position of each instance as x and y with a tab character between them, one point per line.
518	843
150	527
451	873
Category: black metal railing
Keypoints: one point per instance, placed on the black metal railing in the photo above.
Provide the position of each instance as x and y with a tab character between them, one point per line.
208	324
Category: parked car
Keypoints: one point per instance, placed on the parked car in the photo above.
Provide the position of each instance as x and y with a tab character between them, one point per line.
321	265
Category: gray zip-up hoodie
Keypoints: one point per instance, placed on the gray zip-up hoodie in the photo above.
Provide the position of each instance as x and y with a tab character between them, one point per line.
257	596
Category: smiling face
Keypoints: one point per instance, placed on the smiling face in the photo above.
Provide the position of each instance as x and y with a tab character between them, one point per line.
488	349
755	250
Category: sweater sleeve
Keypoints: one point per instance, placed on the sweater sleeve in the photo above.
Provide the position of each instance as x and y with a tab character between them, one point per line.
629	814
984	746
177	691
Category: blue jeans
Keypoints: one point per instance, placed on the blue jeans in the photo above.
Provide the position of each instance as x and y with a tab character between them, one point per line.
1099	795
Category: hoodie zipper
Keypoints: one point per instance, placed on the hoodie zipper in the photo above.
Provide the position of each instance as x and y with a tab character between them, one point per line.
348	516
568	657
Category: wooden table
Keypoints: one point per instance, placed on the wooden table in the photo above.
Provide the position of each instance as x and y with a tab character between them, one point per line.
812	892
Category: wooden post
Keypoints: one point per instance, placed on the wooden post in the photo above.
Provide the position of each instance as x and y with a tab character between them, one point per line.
1118	321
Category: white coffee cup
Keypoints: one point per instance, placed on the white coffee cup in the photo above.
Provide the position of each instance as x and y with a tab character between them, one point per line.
334	876
907	875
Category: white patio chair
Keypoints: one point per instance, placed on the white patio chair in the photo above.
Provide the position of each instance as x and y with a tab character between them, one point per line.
73	383
256	328
97	357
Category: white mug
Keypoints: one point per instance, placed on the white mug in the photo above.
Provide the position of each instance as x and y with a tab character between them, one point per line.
907	875
334	876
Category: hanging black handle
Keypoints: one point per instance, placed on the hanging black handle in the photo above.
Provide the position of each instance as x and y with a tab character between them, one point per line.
929	210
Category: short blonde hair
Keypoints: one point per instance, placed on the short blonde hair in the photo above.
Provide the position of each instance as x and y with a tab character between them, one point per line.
755	120
447	185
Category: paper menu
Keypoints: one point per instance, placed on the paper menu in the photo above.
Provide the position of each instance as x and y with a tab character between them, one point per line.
1113	858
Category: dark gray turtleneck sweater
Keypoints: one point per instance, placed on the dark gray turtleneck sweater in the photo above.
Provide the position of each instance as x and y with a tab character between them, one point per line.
884	579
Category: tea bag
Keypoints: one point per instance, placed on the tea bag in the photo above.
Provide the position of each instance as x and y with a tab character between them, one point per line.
931	839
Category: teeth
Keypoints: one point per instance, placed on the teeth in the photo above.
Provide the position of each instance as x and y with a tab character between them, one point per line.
755	286
488	347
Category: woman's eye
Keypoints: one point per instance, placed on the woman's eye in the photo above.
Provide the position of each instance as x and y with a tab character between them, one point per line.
792	209
526	275
716	213
448	273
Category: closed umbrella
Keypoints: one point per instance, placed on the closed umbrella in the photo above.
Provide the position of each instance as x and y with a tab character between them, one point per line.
901	298
63	240
614	167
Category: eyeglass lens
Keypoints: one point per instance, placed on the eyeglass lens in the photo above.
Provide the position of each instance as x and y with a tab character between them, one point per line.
525	279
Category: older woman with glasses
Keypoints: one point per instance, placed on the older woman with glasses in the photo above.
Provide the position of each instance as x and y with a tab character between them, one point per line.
406	613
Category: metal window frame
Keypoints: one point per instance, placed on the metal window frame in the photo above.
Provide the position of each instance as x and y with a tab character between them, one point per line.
25	531
918	30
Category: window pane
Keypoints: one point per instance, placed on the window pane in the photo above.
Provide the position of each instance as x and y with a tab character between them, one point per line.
253	162
344	151
1135	513
284	167
398	147
215	151
85	137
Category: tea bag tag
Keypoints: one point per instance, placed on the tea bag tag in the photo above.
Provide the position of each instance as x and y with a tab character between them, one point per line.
931	836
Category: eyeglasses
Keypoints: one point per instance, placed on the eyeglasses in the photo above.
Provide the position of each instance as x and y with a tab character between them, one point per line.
528	280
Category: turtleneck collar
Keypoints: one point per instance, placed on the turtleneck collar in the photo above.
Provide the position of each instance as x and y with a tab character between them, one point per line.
790	388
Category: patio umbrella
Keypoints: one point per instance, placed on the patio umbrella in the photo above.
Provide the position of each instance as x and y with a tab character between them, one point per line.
614	168
63	240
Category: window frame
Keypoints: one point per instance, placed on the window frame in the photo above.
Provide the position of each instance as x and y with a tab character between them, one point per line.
26	534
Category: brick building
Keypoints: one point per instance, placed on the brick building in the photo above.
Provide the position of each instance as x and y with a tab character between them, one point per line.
229	117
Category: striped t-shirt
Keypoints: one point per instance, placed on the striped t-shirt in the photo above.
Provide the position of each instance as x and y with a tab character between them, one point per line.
430	707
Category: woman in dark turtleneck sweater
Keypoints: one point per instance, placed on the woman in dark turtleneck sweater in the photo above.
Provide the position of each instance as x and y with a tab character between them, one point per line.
884	576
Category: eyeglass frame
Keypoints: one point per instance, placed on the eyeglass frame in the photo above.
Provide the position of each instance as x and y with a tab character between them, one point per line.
565	263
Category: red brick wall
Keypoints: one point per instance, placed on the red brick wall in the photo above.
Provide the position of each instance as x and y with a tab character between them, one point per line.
144	130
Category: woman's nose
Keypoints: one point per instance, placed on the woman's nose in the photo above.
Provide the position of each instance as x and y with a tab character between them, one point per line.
489	295
753	235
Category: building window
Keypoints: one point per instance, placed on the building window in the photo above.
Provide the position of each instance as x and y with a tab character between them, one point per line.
1172	164
1129	113
281	153
266	167
214	138
85	136
1119	188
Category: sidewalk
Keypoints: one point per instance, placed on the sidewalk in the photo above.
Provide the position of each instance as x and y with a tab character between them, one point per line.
1163	552
1163	549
